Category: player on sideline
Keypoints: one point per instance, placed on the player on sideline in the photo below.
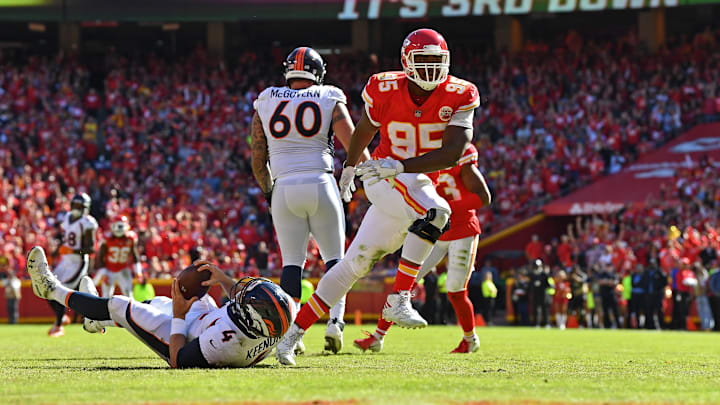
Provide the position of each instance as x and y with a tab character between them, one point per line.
425	117
465	189
184	333
116	254
292	130
77	243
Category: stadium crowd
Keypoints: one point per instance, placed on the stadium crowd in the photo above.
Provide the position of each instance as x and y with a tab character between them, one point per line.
617	271
166	143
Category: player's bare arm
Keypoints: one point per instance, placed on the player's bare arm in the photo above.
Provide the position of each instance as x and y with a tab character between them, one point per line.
475	182
454	141
217	276
260	166
102	252
361	138
343	128
181	306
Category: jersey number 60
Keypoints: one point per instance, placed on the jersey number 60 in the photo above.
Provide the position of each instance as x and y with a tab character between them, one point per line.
280	119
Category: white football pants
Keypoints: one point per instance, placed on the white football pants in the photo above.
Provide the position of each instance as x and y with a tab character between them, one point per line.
309	203
122	278
396	205
71	269
461	261
150	322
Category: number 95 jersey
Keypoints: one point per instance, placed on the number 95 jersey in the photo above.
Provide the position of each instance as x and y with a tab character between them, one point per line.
297	126
408	130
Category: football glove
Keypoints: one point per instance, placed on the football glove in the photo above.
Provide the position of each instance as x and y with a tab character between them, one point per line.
373	171
347	183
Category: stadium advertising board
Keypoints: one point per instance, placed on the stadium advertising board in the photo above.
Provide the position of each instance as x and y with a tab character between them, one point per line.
257	10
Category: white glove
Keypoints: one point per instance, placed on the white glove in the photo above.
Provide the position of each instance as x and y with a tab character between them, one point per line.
373	171
347	183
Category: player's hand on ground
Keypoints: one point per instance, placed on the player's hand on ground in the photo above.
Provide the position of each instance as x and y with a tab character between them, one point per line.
347	183
373	171
181	306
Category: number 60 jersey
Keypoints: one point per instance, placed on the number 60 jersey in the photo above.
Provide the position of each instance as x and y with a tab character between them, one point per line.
408	130
297	127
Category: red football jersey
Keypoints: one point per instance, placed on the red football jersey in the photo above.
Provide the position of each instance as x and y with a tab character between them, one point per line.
119	251
463	220
406	129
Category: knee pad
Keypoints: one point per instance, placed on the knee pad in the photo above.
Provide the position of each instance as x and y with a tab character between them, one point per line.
435	223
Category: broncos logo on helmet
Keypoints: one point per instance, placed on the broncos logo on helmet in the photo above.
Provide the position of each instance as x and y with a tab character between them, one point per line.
261	307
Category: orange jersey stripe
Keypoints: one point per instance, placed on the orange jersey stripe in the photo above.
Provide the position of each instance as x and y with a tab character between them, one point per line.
408	199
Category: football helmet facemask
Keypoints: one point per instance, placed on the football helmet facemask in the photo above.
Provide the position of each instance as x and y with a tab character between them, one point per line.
261	307
304	63
425	58
79	205
119	226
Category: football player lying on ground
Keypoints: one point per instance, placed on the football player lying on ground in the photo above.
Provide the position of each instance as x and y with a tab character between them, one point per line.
185	333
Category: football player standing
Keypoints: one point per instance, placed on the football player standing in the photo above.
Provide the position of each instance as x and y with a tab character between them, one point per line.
77	243
117	253
425	119
465	189
292	160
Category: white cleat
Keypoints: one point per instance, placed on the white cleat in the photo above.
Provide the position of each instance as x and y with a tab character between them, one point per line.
87	286
299	347
398	310
43	281
285	350
334	336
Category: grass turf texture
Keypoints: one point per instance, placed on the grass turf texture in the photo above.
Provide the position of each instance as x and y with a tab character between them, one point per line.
513	364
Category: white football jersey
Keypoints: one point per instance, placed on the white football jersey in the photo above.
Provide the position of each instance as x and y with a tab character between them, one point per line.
297	127
72	231
224	344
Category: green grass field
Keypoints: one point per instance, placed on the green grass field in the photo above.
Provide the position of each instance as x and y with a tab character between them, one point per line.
513	365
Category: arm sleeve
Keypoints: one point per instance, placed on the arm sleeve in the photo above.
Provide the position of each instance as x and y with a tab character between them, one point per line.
190	356
372	102
336	94
462	119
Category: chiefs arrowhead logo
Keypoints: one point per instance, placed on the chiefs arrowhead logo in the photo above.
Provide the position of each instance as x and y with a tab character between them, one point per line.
445	113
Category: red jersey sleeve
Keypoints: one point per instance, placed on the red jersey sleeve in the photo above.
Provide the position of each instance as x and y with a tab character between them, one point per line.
372	95
469	98
470	156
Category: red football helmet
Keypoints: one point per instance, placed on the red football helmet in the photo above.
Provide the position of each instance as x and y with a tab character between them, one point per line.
427	73
119	226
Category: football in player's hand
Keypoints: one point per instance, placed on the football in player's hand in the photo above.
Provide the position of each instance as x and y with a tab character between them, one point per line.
190	282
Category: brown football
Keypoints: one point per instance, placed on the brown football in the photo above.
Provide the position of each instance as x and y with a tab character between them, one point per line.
189	281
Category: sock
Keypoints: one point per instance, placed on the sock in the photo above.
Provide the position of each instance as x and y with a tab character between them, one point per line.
89	306
311	312
382	328
405	276
291	280
463	310
337	312
59	310
60	294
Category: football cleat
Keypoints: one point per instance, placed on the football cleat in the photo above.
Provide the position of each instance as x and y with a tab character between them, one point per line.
56	331
43	281
334	336
90	325
370	342
299	347
468	347
285	350
66	320
398	310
